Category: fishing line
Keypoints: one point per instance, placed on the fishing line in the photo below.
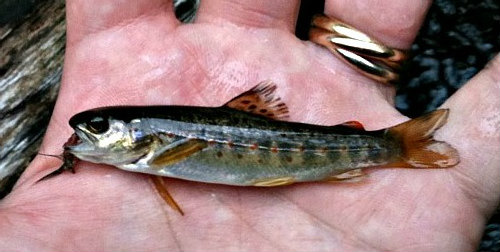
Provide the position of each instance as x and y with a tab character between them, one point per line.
60	157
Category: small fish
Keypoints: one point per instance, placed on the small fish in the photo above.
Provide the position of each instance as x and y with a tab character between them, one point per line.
246	142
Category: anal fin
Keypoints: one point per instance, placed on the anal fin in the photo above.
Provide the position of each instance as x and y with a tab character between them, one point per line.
355	175
165	195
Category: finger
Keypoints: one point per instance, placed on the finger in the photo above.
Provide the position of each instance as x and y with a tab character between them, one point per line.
392	22
86	17
474	128
281	14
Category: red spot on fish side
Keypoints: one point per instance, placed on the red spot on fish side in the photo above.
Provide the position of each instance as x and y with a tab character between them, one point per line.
211	142
170	134
274	149
230	144
254	146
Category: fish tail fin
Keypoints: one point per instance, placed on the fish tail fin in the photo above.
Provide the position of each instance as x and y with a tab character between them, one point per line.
419	149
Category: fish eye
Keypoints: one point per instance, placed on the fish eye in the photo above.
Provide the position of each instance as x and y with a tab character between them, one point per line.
98	125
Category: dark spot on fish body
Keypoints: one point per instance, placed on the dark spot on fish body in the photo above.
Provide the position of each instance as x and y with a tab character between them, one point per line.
322	150
381	154
263	111
361	155
344	148
333	155
289	159
219	154
264	156
301	148
246	102
289	147
202	131
252	107
343	154
239	156
309	157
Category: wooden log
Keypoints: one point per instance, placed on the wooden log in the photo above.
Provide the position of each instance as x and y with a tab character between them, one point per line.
31	59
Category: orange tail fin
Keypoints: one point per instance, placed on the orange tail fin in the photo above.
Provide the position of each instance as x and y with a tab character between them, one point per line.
420	150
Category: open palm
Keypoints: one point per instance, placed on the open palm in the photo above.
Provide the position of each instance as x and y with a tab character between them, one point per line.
137	53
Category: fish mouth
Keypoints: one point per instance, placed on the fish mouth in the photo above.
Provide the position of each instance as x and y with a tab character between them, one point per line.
80	142
72	141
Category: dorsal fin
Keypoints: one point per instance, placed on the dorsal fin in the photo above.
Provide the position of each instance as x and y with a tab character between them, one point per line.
260	100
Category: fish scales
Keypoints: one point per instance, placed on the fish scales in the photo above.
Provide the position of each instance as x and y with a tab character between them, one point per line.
244	148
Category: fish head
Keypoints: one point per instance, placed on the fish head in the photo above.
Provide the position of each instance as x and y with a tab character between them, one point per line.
105	138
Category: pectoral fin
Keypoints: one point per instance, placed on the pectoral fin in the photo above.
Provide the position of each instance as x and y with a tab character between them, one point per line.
260	100
178	151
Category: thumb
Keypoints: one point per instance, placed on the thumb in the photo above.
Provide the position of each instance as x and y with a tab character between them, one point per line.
474	129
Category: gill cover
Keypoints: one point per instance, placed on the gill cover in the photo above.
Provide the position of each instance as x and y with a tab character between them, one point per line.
105	139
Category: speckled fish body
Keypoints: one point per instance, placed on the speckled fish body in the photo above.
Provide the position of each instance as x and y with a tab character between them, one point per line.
244	149
245	142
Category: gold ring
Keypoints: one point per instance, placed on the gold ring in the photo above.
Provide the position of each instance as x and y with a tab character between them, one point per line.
368	56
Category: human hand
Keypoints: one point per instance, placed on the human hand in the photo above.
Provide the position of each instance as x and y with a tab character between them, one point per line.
138	54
